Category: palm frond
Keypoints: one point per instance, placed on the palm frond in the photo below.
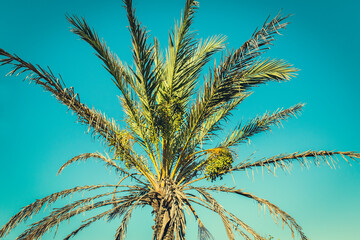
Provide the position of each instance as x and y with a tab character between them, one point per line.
219	210
216	93
85	156
35	207
186	74
176	96
213	122
184	60
235	62
240	134
261	39
225	83
238	222
146	79
112	64
227	220
122	74
194	65
140	132
274	210
203	232
123	77
207	205
38	229
121	231
158	59
259	124
208	129
143	55
284	162
181	50
95	120
88	222
264	71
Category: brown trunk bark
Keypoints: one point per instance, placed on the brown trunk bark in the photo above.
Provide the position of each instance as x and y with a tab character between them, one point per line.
169	217
163	229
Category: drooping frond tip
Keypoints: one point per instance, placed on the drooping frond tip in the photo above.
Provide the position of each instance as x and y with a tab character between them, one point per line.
32	209
274	210
85	156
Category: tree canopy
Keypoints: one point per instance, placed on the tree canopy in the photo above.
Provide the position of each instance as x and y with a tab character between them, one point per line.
174	114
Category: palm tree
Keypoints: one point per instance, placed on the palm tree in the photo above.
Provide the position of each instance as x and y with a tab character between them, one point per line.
172	122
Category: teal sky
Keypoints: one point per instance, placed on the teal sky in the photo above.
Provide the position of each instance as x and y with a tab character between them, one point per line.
38	136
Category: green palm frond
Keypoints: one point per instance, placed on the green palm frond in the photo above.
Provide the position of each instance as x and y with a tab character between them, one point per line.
244	57
182	87
98	123
259	124
111	62
226	82
213	122
146	83
265	70
138	126
215	94
143	55
123	76
185	60
181	50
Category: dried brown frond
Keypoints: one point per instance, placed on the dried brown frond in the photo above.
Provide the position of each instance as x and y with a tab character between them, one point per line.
285	162
274	210
227	220
38	229
35	207
85	156
121	231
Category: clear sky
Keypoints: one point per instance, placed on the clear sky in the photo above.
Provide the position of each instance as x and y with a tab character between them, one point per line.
38	136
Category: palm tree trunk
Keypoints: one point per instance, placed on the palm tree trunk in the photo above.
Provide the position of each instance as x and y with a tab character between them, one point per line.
169	216
164	227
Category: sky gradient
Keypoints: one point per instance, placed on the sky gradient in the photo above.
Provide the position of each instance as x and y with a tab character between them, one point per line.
38	136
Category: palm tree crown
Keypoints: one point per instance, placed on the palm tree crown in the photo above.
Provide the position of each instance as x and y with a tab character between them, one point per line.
172	123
